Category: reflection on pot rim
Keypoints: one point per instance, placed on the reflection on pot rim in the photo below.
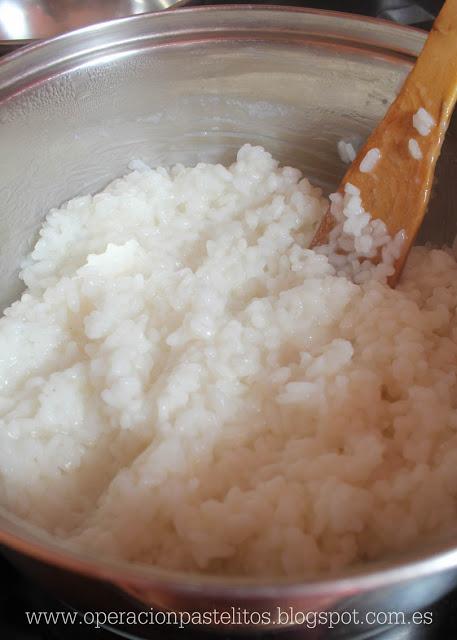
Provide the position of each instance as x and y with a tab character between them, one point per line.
22	21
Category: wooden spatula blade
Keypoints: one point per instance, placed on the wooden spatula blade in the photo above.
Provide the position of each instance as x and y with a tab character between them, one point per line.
398	187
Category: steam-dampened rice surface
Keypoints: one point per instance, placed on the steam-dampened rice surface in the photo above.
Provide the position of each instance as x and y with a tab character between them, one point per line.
184	383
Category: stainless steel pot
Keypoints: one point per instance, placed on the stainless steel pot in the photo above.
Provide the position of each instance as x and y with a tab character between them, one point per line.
183	86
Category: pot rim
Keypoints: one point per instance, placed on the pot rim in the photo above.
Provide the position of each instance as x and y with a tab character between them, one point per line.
40	546
375	34
25	539
182	5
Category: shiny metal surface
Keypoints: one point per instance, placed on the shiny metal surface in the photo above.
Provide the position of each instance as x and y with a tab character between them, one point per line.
24	20
186	86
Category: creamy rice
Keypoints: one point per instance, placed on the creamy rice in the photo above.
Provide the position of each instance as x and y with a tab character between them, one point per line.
184	383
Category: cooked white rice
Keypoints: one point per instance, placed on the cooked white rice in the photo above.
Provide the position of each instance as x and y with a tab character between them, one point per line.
370	160
346	151
356	239
423	122
185	384
414	149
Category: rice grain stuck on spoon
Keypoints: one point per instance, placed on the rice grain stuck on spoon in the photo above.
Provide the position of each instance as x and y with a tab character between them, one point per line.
395	167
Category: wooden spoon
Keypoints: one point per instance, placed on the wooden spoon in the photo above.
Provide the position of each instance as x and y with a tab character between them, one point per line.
398	188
